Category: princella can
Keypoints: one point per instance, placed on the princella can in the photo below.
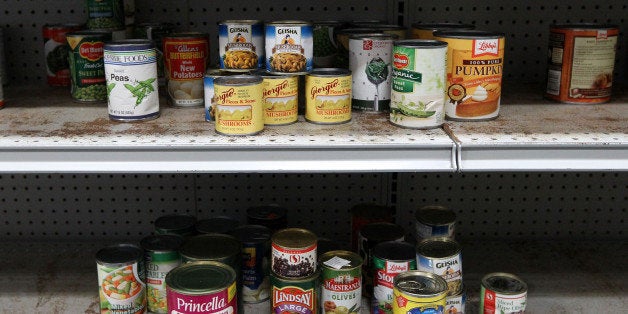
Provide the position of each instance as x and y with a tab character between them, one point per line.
161	255
426	31
581	59
185	58
56	53
389	259
255	262
419	292
241	45
239	105
503	293
370	57
289	47
281	98
131	73
293	253
443	257
87	68
295	295
418	84
435	221
121	279
475	62
328	96
341	287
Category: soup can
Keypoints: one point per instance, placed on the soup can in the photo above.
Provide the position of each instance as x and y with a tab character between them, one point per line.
418	292
503	293
389	259
289	47
341	282
87	68
281	98
220	224
272	217
295	295
241	45
418	84
325	50
185	59
364	214
239	101
581	60
328	96
156	33
180	224
121	279
293	253
56	51
255	241
456	304
105	14
426	30
475	63
443	257
161	255
435	221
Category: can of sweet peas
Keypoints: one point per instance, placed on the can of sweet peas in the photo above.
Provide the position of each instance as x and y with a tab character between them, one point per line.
87	67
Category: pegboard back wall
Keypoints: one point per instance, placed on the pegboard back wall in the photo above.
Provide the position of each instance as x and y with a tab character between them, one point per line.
525	23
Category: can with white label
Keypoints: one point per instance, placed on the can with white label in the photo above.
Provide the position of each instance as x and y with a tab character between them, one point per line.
442	256
503	293
341	276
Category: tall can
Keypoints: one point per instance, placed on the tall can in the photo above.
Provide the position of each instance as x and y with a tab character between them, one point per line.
105	14
293	253
443	257
389	259
295	295
426	30
121	279
56	51
370	58
185	59
419	292
418	84
475	63
328	96
156	33
161	255
255	262
341	287
281	98
503	293
241	45
87	67
289	47
239	104
435	221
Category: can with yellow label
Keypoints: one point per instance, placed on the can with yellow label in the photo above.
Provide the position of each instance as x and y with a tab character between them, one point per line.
239	105
281	98
419	292
328	96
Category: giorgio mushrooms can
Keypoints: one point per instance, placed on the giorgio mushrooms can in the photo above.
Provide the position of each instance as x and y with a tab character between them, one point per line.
241	45
289	47
503	293
239	105
328	96
281	98
370	58
208	91
185	57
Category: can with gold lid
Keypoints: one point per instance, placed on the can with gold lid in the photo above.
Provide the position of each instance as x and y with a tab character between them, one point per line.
239	101
293	253
426	30
419	292
328	96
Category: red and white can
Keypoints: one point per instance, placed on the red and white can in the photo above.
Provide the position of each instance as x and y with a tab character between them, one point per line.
185	58
293	253
56	51
503	293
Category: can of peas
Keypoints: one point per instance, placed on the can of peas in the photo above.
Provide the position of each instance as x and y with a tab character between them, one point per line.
87	67
105	14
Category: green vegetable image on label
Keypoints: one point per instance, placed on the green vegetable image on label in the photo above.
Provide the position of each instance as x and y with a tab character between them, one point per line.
141	90
369	61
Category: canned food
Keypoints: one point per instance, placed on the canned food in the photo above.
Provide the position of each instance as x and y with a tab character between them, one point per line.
456	304
295	295
255	241
87	68
121	279
4	79
220	224
239	105
341	276
56	51
241	45
281	98
325	50
389	259
419	292
209	95
185	59
289	47
581	60
272	217
156	33
293	253
435	221
202	287
503	293
443	257
364	214
342	42
397	30
328	96
426	31
213	247
105	14
161	255
418	89
180	224
375	233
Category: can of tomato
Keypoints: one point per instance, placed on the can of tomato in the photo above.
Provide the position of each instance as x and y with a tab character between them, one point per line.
328	96
289	47
419	292
185	59
443	257
341	287
389	259
295	295
503	293
241	45
161	255
121	279
293	253
87	68
180	224
426	30
239	101
281	98
56	51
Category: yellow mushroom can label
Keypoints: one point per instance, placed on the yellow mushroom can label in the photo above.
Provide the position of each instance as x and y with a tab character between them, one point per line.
328	96
239	105
280	94
241	45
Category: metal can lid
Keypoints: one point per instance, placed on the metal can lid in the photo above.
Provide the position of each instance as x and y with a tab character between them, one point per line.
394	251
251	234
442	26
382	231
211	246
201	277
129	44
238	80
294	238
584	26
241	22
374	35
190	35
468	34
295	280
220	224
420	43
266	212
504	283
119	254
438	247
215	73
354	260
162	242
435	215
103	35
420	284
175	223
289	23
329	72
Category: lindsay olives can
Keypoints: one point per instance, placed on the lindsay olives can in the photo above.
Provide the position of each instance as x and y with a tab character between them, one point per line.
328	96
185	59
503	293
293	253
434	221
180	224
255	262
389	259
419	292
56	52
426	30
161	255
281	99
239	105
87	68
241	45
370	58
202	287
295	295
442	256
341	282
208	88
418	84
121	279
289	47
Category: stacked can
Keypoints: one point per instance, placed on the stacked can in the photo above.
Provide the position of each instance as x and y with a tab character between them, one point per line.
241	45
56	51
87	67
435	221
442	257
389	259
107	15
341	276
289	47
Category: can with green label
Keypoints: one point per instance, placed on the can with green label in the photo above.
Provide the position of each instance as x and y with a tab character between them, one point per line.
341	288
105	14
87	67
295	295
161	255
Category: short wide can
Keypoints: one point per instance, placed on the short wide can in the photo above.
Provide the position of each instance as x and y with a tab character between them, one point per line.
328	96
419	292
239	101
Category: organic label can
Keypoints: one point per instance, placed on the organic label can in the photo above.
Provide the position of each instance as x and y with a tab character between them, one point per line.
281	99
442	256
295	295
156	32
255	262
289	47
503	293
581	60
180	224
389	259
56	51
185	57
419	292
456	304
105	14
161	255
426	31
208	87
241	45
475	62
328	96
418	84
435	221
341	276
87	68
202	287
121	279
273	217
293	253
325	51
370	58
239	104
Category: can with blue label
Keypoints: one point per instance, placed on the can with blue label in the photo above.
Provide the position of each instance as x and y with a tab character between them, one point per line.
289	47
255	262
435	221
241	45
442	256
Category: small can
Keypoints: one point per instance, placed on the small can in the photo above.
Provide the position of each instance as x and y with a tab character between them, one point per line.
208	287
418	84
293	253
161	255
475	63
241	45
370	58
435	221
443	257
419	292
218	247
208	87
56	51
239	105
87	68
295	295
220	224
289	47
105	14
328	96
426	30
341	287
185	60
364	214
272	217
281	98
456	304
389	259
121	279
503	293
156	32
581	60
180	224
325	50
255	262
375	233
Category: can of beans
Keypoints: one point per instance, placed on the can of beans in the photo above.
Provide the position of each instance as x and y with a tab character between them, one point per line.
503	293
87	68
341	287
293	253
255	241
180	224
364	214
328	96
581	60
325	50
56	51
443	257
475	62
419	292
156	33
185	59
281	98
161	255
273	217
105	14
220	224
241	45
289	47
435	221
295	295
121	279
426	30
418	89
389	259
239	104
209	95
202	287
456	303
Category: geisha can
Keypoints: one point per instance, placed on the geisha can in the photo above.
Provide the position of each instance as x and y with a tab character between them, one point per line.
185	57
241	45
289	47
370	57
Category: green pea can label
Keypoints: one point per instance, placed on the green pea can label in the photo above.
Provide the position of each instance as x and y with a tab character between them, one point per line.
161	256
87	68
341	276
121	279
105	14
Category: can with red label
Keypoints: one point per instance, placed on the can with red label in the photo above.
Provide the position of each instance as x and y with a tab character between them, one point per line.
389	260
503	293
56	51
185	57
293	253
295	295
341	276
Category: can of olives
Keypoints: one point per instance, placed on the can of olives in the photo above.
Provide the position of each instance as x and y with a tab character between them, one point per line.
341	282
503	293
121	279
161	255
239	105
56	51
418	292
289	47
293	253
443	257
328	96
435	221
185	61
241	45
105	14
295	295
87	68
255	241
180	224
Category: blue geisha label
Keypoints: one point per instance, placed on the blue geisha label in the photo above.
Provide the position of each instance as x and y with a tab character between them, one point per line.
289	47
241	45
